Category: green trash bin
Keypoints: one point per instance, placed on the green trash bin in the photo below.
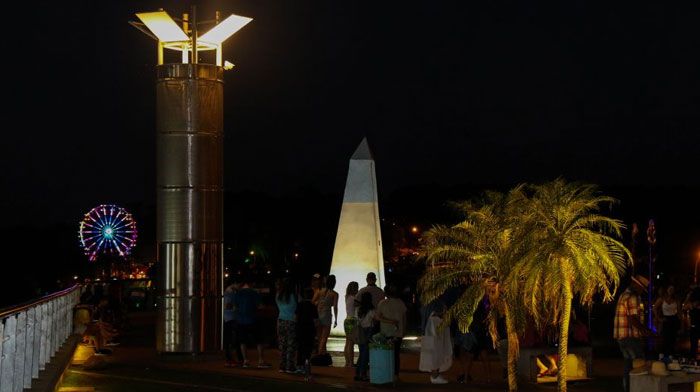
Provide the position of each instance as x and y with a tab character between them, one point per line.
381	363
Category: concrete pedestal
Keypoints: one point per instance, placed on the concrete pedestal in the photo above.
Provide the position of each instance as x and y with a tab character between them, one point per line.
676	382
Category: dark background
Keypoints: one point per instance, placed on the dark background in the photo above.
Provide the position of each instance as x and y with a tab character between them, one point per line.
455	98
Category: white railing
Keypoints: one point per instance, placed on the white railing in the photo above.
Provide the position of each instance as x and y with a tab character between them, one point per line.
31	335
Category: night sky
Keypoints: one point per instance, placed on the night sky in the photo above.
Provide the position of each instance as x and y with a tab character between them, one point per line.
473	93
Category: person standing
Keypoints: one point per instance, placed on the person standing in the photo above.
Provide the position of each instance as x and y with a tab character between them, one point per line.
628	327
365	319
247	302
436	347
350	322
307	323
692	306
230	338
327	303
286	325
391	313
667	308
472	345
376	292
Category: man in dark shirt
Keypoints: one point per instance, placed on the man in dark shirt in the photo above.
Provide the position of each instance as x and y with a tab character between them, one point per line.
246	302
377	293
230	338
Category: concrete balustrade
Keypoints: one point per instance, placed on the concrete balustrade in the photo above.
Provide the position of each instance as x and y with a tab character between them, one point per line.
31	334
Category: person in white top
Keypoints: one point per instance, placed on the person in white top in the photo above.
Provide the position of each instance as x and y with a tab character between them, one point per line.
436	347
391	313
326	301
350	322
666	308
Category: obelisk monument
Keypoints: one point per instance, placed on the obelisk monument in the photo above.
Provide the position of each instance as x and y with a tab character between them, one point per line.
358	243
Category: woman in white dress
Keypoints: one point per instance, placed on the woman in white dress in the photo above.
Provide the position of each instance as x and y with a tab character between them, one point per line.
350	322
436	347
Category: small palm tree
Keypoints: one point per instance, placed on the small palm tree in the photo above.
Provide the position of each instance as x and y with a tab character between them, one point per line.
573	251
479	252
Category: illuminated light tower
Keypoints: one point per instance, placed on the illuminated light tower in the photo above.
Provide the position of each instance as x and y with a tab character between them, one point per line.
358	243
189	143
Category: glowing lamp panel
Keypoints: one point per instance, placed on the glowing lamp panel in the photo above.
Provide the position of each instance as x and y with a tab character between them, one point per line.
163	26
222	31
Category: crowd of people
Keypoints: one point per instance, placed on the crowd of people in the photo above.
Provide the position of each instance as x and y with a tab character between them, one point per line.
670	317
306	316
305	319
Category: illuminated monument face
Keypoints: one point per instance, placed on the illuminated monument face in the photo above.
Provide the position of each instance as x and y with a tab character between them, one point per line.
358	244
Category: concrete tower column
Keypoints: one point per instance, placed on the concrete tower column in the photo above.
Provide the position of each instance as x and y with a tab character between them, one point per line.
189	207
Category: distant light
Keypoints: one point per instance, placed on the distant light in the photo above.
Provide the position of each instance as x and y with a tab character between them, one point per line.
296	255
163	26
223	30
75	277
269	272
414	229
658	276
252	252
228	66
226	275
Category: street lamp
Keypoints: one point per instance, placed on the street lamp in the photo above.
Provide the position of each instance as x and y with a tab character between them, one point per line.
160	26
190	156
651	239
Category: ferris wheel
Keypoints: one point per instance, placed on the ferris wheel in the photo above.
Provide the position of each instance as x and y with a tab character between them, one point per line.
107	229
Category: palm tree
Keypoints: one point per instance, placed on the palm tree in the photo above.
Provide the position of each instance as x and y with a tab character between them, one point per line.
479	251
573	251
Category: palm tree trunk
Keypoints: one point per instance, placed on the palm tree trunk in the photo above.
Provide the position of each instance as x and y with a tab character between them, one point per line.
564	336
513	350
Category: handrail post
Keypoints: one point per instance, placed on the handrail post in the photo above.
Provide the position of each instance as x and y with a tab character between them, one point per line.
20	351
29	348
7	367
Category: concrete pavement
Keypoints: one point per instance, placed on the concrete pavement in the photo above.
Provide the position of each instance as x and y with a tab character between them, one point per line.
135	366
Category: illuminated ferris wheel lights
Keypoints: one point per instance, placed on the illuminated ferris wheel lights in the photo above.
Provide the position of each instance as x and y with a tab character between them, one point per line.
107	229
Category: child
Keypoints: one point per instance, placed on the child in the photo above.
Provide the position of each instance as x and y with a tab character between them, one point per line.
307	322
366	327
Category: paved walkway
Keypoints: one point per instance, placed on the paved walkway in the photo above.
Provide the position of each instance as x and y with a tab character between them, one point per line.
135	366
